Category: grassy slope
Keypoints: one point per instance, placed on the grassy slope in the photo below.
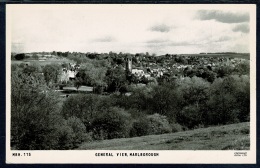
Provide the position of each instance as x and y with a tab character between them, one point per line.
228	137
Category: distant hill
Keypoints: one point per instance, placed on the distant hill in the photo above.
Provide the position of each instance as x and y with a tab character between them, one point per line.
230	55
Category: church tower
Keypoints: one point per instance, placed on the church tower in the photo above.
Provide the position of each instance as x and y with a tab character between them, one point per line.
128	67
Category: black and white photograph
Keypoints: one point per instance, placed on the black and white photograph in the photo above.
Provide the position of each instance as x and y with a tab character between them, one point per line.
131	83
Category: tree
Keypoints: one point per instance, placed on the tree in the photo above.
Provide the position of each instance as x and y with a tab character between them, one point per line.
158	124
81	106
34	113
224	71
114	123
194	90
90	75
164	101
210	76
35	56
51	73
19	56
79	130
149	125
116	78
230	100
31	69
242	68
140	128
191	116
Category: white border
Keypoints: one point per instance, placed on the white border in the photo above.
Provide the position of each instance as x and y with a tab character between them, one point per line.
165	156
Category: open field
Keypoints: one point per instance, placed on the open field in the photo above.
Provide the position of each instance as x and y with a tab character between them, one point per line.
81	88
43	63
227	137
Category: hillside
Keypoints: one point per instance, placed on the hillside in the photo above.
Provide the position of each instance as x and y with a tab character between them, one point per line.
227	137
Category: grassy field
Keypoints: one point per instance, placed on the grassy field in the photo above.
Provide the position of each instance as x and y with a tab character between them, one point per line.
43	63
81	88
228	137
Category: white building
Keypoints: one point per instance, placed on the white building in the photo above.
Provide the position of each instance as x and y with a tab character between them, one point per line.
138	72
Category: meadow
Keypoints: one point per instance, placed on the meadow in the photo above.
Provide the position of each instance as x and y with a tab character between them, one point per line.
226	137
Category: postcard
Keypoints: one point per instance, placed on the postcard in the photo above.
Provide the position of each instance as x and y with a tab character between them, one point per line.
124	83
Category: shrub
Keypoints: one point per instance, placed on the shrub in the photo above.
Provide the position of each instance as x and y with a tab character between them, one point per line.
158	124
114	123
70	133
190	116
65	136
78	128
81	106
140	128
149	125
176	127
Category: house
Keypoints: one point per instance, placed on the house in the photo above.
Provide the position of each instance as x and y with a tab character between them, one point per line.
67	75
138	72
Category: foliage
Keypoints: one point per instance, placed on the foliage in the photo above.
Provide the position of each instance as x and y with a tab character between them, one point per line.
149	125
34	111
190	116
51	73
115	78
177	127
230	100
65	136
242	68
194	90
31	69
158	124
90	75
164	100
79	130
140	128
19	56
81	106
210	94
114	123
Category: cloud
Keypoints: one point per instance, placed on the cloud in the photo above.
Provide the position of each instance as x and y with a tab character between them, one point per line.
224	17
221	39
244	28
161	28
166	43
105	39
156	41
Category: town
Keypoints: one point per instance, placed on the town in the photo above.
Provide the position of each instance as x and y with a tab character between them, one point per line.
79	98
140	68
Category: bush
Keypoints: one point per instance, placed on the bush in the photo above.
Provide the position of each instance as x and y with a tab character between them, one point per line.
81	106
78	128
150	125
176	127
158	124
70	133
140	128
114	123
65	136
190	116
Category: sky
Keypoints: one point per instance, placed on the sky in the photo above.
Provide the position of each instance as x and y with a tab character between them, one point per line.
158	29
